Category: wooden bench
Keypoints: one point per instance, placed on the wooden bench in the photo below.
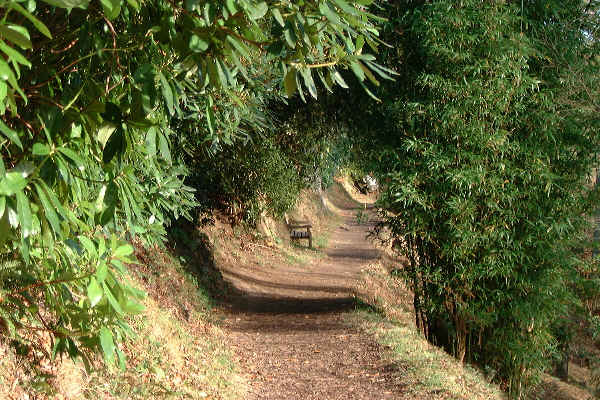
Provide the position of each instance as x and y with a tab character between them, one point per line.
299	230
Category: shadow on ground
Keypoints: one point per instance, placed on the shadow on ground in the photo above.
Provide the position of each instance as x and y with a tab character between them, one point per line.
197	254
194	249
247	303
284	289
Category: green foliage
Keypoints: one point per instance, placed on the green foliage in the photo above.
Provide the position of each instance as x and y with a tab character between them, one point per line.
99	102
488	172
315	139
248	180
300	148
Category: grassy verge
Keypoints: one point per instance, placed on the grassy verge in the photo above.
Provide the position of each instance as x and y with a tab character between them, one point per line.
424	370
177	351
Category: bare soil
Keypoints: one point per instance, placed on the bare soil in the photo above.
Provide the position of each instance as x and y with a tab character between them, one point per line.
288	324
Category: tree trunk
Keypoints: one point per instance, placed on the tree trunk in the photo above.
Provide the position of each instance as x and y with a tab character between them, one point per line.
562	367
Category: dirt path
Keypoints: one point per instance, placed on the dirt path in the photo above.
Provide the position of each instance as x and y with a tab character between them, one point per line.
288	326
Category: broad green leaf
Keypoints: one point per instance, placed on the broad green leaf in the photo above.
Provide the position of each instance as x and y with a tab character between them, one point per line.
13	182
25	168
197	44
222	73
210	120
340	81
10	134
69	4
119	265
115	146
123	251
360	42
40	149
4	226
99	204
151	141
16	35
94	292
107	344
3	94
15	85
13	54
105	132
231	6
299	86
309	81
111	8
53	199
73	156
358	71
257	11
241	48
5	71
239	65
122	361
369	74
133	307
383	72
290	83
102	272
290	36
134	4
107	216
135	292
101	246
39	25
330	14
111	299
213	74
346	7
277	14
89	246
326	82
2	205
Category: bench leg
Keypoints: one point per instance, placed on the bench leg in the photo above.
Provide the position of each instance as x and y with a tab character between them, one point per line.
309	238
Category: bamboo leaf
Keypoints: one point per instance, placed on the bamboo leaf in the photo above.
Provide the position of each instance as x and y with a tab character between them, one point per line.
24	213
167	93
49	210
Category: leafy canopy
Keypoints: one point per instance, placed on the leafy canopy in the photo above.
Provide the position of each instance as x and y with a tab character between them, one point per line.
98	101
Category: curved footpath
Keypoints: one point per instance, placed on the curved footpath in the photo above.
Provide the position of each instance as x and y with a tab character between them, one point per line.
288	326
